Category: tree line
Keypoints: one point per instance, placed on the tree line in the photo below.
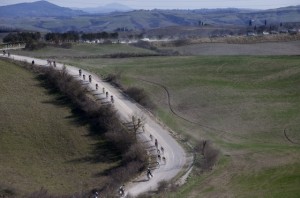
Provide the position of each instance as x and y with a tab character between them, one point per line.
22	37
32	39
4	29
71	36
100	35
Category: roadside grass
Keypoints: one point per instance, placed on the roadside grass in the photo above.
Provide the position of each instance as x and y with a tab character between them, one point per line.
242	103
42	141
195	180
282	181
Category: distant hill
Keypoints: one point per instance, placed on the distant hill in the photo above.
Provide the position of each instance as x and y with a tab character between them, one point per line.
37	9
112	7
284	14
44	16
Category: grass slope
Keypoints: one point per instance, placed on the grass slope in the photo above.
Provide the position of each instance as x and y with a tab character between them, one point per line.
243	103
41	143
272	182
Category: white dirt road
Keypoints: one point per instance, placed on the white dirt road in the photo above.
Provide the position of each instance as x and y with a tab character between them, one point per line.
175	155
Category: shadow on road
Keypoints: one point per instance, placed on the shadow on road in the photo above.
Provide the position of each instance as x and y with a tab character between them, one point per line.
142	180
97	94
85	83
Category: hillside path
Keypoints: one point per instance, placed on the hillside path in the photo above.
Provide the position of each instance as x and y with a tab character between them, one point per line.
175	155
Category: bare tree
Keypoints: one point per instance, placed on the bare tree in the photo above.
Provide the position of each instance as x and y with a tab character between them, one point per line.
138	123
209	153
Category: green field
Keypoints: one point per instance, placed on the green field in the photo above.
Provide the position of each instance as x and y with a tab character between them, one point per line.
243	104
41	142
82	50
247	105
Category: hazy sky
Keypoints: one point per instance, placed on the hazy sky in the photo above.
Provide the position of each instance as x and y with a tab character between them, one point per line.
170	4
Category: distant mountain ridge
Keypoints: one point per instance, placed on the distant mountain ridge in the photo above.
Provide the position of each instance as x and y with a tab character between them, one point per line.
112	7
44	16
37	9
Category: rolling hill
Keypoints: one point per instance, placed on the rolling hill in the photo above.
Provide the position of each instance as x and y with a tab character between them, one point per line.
112	7
44	16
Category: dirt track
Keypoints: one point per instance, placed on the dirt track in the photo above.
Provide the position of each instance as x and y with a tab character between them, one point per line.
174	153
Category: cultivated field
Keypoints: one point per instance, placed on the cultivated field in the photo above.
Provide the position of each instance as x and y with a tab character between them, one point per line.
269	48
42	142
248	106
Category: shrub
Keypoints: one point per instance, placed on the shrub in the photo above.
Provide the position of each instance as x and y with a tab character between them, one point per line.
114	79
162	186
209	155
34	45
140	96
135	153
66	45
128	55
145	45
121	174
121	137
168	52
181	42
6	191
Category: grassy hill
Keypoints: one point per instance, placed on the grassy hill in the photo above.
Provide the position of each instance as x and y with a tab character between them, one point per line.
244	104
42	144
247	105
